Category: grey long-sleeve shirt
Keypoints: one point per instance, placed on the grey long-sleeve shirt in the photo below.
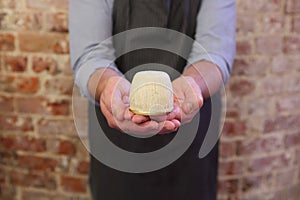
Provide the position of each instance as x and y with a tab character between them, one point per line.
90	24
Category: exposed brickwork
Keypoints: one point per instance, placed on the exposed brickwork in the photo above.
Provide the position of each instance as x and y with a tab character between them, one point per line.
41	156
260	144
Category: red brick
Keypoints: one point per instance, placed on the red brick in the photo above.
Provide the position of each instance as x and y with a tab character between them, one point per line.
249	66
259	107
83	167
39	105
257	183
2	177
15	123
285	178
295	63
296	24
242	87
243	47
293	84
292	44
27	85
232	114
20	21
269	163
7	192
269	45
58	107
288	103
30	195
47	43
259	145
270	24
8	158
66	148
57	22
12	84
31	21
15	63
6	143
48	4
234	128
31	105
281	123
59	86
47	64
30	144
230	168
37	163
291	192
245	23
45	195
6	83
292	6
45	181
228	186
6	104
7	42
23	143
72	184
292	140
227	149
56	127
281	65
259	5
297	159
272	85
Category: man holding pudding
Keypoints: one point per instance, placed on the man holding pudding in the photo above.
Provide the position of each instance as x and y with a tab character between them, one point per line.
210	23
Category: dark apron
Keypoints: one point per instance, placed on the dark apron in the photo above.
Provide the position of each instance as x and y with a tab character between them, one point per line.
188	178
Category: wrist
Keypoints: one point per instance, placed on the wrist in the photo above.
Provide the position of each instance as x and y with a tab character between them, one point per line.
207	76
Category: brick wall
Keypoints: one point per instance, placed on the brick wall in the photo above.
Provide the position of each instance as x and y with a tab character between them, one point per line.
259	157
41	156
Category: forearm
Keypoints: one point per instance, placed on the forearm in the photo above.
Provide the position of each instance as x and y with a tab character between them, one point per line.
98	79
207	75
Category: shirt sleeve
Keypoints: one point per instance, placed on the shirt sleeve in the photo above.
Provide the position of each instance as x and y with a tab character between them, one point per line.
215	35
91	48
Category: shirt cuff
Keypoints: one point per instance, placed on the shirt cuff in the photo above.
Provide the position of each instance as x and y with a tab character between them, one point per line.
86	70
214	58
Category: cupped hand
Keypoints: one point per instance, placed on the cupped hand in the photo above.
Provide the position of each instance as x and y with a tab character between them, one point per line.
188	96
114	103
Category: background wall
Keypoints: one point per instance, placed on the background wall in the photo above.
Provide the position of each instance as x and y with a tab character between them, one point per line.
41	156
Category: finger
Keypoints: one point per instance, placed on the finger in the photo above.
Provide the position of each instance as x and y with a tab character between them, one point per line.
109	117
175	112
169	125
146	128
176	122
178	111
166	130
118	107
197	93
138	119
158	118
114	104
